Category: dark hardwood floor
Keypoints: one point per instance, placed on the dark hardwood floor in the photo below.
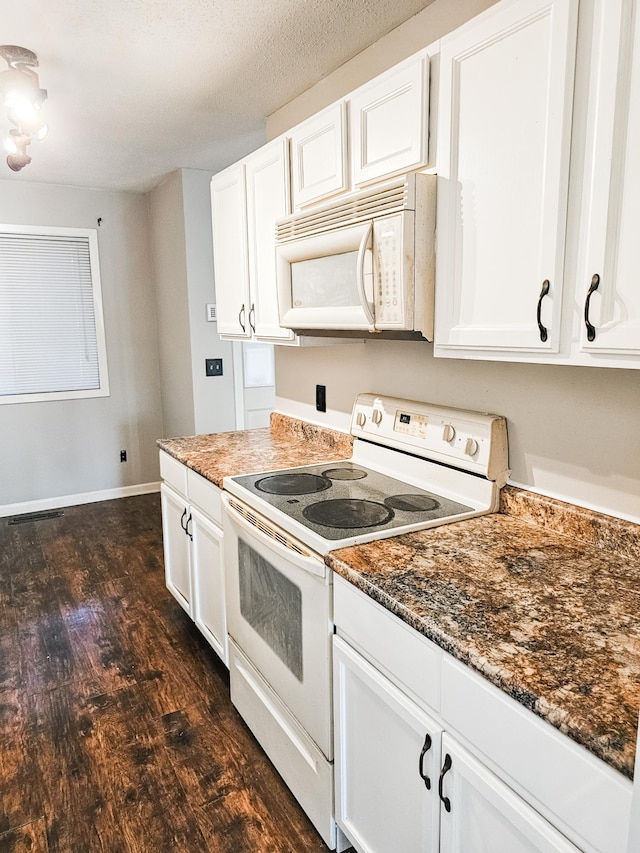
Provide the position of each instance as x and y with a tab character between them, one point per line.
116	728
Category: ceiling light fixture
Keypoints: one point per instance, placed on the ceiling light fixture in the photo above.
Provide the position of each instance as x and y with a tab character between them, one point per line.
23	99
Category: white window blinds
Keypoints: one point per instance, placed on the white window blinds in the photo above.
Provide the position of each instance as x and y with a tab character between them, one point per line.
51	331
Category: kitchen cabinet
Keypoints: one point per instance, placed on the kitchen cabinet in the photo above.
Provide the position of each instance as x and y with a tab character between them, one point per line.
387	751
513	283
192	536
510	784
319	161
609	314
389	122
505	98
246	200
378	131
479	812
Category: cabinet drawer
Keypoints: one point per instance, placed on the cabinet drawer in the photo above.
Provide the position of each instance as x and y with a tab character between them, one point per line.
173	472
408	659
566	782
205	495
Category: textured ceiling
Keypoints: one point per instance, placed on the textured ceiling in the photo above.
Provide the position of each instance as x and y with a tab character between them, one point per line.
138	88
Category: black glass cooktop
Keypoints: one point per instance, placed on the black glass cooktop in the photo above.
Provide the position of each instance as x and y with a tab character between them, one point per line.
343	499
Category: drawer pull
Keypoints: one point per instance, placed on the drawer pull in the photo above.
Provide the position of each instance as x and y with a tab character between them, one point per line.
543	329
591	329
425	749
445	769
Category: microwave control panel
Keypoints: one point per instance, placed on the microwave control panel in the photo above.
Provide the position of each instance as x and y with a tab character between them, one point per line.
389	273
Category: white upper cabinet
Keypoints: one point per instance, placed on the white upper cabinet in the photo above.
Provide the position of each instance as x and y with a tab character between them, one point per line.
246	200
506	87
267	185
319	164
608	257
388	122
230	259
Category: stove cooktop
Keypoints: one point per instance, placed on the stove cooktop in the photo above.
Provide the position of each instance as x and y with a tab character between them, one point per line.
341	500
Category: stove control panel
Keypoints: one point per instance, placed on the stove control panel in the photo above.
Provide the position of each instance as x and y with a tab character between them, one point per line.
471	441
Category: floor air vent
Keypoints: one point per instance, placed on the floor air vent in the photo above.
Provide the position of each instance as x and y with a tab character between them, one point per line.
35	516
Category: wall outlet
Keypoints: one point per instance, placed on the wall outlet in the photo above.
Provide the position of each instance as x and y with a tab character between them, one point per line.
123	455
213	366
321	398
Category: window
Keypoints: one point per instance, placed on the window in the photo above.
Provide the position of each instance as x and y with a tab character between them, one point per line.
52	344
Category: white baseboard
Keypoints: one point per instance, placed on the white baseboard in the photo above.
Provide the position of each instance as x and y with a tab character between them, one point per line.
74	500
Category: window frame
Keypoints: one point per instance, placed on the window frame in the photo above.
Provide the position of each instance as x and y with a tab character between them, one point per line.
91	235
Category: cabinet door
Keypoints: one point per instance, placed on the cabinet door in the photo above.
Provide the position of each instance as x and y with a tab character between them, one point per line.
208	582
319	156
267	179
506	86
480	813
385	747
610	216
230	260
177	546
388	122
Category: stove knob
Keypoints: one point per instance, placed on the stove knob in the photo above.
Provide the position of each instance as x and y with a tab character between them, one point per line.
376	416
361	419
471	447
448	432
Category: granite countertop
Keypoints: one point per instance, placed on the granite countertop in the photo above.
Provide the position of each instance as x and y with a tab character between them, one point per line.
542	599
287	443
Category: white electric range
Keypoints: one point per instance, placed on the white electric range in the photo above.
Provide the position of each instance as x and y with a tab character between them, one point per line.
414	466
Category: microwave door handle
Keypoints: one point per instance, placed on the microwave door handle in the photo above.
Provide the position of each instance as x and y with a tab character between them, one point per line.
367	307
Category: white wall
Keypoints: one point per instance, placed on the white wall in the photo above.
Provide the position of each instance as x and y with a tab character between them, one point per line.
573	431
69	447
180	214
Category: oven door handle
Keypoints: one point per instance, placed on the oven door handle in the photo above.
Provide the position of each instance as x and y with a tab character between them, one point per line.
307	560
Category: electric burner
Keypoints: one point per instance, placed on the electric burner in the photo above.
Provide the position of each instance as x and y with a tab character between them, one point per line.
348	513
292	483
412	503
346	473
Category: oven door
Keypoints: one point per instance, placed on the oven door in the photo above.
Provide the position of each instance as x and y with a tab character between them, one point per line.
279	613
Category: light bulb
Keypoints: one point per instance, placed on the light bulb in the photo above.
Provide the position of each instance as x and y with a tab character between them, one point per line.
42	132
10	145
24	110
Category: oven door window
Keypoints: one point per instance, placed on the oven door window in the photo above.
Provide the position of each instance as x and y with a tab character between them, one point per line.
272	605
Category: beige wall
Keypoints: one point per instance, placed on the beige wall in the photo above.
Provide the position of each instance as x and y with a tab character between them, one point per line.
70	447
573	431
180	215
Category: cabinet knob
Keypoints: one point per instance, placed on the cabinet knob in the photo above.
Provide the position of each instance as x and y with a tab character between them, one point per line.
591	329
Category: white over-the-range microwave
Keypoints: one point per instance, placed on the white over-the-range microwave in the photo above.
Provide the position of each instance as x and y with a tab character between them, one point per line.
365	262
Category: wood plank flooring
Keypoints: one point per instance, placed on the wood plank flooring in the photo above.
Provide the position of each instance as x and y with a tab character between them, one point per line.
116	729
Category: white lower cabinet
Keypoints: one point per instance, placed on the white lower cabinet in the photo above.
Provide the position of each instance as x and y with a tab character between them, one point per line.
387	753
480	813
193	558
431	757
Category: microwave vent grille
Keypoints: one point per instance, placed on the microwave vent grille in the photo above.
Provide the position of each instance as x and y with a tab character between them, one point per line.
393	197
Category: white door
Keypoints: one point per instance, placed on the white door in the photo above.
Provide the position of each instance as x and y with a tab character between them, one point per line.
177	546
610	321
506	89
319	166
254	384
230	258
388	122
479	813
386	761
208	582
267	179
